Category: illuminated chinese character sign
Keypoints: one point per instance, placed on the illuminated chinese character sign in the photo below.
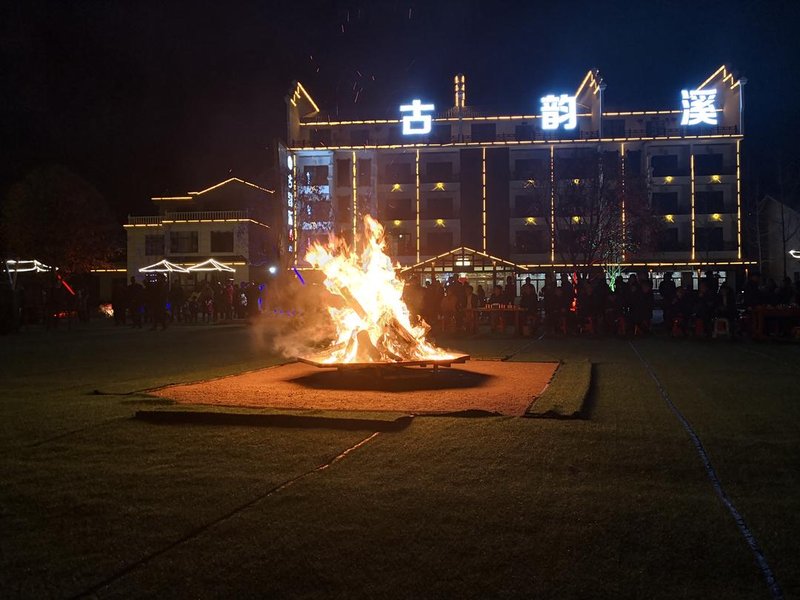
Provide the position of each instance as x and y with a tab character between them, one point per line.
559	111
416	123
698	107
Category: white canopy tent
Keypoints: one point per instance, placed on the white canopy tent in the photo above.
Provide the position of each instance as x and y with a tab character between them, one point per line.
163	266
211	265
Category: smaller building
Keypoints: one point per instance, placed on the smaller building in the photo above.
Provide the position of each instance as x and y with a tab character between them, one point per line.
232	221
778	239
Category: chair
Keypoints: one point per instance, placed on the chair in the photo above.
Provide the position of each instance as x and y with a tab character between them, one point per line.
721	327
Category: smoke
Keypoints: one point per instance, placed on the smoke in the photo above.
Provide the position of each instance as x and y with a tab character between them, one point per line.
295	320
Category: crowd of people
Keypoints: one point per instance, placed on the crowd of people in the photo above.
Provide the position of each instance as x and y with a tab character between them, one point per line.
594	306
157	302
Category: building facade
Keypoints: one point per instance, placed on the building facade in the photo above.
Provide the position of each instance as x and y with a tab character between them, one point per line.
233	221
565	184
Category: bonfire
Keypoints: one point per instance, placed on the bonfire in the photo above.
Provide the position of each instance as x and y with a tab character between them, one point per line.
372	323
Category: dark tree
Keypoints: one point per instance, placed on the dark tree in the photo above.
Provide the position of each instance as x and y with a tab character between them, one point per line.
55	216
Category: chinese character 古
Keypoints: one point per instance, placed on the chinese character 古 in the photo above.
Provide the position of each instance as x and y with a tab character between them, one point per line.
416	122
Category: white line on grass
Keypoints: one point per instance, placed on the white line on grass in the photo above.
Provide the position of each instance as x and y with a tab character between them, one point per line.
758	553
91	591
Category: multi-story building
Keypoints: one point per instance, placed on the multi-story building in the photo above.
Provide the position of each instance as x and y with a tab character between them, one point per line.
562	185
233	221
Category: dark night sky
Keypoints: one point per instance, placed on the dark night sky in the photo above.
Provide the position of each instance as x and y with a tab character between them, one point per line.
147	98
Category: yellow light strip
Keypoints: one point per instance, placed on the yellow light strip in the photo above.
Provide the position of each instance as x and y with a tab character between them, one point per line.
691	179
416	166
108	270
552	204
521	142
355	202
221	183
647	264
300	90
738	202
622	169
483	196
593	85
172	198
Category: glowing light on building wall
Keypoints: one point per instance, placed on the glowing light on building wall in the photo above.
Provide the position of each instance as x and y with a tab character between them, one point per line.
530	220
460	91
716	217
698	107
559	111
396	222
668	179
416	171
716	179
738	203
438	187
483	197
691	165
416	123
552	204
669	218
290	205
622	199
440	222
396	187
355	201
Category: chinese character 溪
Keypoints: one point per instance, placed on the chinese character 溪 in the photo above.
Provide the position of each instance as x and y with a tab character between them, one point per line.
698	107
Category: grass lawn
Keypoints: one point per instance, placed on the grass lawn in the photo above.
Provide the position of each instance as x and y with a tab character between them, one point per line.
614	504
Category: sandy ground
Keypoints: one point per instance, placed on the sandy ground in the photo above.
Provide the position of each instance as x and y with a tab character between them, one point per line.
507	388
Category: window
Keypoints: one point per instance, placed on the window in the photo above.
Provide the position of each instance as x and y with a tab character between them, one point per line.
439	171
221	241
633	163
399	172
365	172
523	132
439	242
707	164
668	240
664	165
399	242
344	176
665	203
182	241
484	132
532	242
397	208
655	127
320	137
359	137
709	239
154	245
438	208
613	127
527	168
530	206
315	175
709	202
441	134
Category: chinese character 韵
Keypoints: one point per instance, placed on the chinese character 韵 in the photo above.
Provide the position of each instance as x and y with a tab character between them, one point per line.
698	107
416	122
557	110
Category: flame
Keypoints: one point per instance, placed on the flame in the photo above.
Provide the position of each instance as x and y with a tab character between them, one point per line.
374	324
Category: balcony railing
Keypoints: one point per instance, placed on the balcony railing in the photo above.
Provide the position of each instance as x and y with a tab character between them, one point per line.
196	216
